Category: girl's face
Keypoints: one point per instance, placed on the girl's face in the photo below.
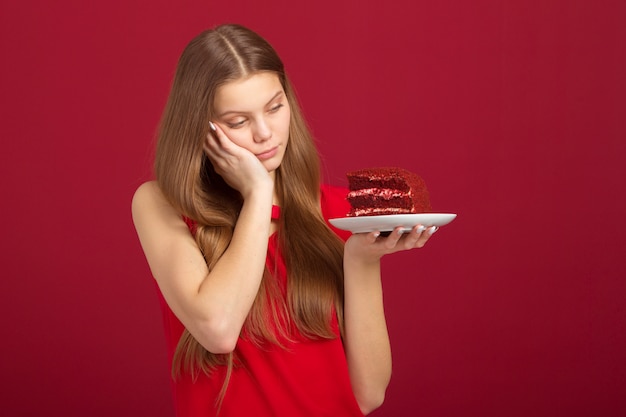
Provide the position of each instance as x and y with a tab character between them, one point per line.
254	113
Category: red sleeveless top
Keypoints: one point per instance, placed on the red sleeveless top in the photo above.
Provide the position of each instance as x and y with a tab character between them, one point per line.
308	378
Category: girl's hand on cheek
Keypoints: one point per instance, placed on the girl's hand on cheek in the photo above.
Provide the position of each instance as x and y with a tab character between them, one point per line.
370	247
239	167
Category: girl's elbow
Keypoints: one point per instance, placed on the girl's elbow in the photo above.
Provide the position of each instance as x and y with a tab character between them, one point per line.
221	346
371	402
218	338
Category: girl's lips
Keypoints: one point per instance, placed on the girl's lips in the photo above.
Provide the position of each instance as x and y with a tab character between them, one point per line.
267	154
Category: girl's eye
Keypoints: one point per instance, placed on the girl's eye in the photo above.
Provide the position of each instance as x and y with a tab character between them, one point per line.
276	108
235	125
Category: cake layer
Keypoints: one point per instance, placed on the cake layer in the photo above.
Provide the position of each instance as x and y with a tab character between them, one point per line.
401	202
385	193
391	178
377	211
387	199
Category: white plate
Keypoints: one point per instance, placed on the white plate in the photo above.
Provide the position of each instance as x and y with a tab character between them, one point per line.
364	224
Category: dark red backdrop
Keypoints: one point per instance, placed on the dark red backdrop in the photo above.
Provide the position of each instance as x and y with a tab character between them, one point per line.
513	111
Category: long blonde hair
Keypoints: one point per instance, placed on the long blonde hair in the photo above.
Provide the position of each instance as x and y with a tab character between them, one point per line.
312	252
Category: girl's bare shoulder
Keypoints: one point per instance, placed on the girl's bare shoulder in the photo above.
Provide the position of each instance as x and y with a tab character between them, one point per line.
150	204
146	193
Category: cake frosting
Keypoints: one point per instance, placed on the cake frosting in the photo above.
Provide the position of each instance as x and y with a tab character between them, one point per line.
381	191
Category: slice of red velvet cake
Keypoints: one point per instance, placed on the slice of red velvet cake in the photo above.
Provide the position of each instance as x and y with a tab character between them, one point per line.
380	191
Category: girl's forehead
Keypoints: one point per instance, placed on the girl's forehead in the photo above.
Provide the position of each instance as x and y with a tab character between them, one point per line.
257	89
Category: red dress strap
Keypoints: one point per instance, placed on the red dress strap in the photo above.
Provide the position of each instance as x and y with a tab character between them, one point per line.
275	212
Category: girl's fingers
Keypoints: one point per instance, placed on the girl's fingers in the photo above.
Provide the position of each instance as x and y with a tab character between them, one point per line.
217	144
394	237
413	237
209	143
212	142
416	238
216	134
425	235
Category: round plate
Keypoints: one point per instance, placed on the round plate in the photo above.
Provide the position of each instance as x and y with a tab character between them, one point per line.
365	224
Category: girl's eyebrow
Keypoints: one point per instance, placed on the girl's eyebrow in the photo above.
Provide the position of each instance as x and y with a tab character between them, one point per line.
274	97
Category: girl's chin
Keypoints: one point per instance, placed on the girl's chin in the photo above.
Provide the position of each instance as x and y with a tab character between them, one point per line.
271	169
271	164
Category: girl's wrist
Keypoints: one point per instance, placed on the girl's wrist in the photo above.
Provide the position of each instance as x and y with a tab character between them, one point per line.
361	270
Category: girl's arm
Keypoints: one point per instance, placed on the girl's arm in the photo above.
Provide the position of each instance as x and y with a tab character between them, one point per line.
211	305
366	341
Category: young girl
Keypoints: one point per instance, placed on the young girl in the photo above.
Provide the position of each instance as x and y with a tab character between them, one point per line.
267	311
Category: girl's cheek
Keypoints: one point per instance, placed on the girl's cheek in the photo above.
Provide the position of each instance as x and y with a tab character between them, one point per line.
238	138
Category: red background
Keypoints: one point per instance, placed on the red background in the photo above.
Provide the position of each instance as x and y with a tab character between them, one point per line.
513	111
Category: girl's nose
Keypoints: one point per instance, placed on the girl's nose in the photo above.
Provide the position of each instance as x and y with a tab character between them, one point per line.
262	131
